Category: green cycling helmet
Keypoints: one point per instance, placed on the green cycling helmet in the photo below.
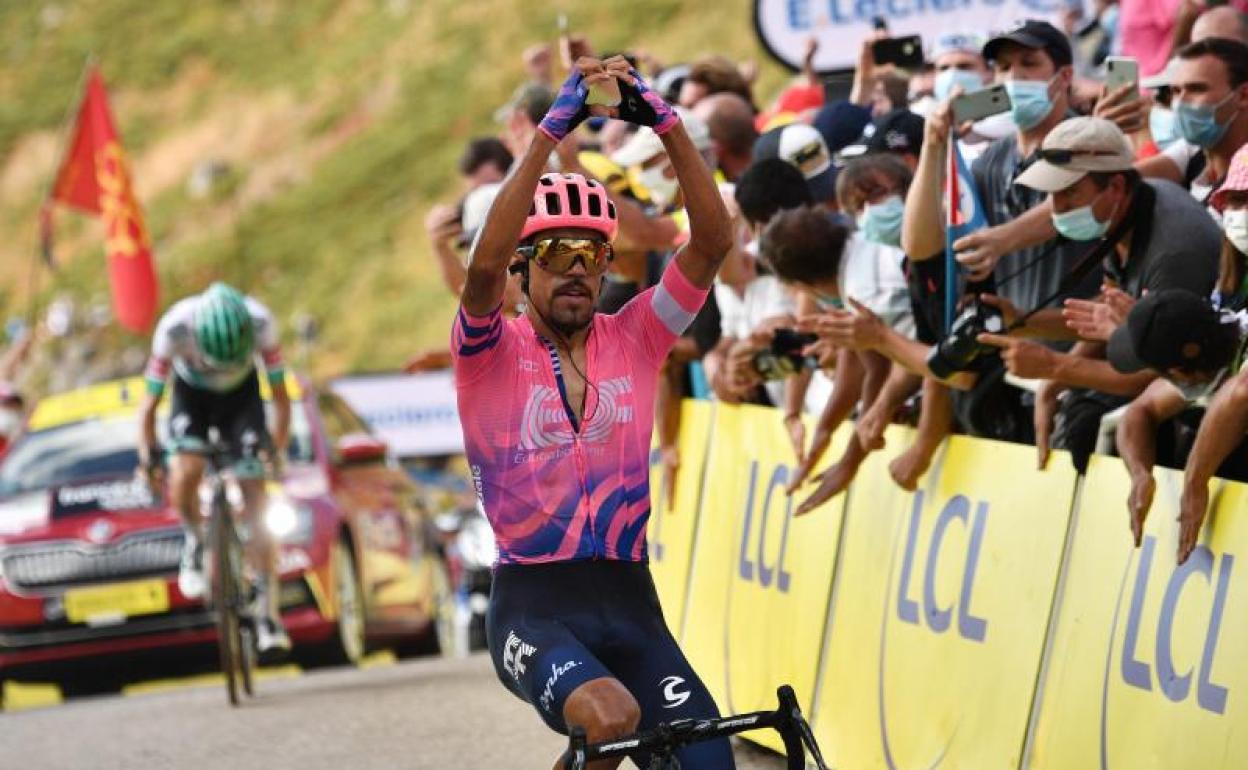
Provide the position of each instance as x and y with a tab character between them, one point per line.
223	327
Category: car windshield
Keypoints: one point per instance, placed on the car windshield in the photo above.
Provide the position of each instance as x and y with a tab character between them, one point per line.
65	453
97	448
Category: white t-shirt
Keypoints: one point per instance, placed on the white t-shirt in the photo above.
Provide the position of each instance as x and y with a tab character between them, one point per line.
872	274
740	314
1183	153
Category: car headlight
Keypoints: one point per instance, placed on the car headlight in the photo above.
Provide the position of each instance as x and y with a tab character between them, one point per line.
288	521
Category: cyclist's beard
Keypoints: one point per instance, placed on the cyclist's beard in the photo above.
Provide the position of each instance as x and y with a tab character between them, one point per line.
570	307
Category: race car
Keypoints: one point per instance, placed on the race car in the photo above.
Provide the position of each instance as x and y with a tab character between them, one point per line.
89	555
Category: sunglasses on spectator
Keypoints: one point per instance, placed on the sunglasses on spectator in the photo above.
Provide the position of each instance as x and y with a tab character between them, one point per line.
559	255
1060	157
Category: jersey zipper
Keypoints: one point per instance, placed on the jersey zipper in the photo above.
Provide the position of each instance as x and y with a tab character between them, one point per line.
577	448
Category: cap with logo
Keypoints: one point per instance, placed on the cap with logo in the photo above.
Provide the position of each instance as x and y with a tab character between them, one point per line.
957	42
803	146
1037	35
1075	147
1169	329
899	132
645	144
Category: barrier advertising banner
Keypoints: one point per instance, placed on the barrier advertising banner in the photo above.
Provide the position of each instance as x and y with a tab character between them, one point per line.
671	529
942	602
1147	669
759	591
784	26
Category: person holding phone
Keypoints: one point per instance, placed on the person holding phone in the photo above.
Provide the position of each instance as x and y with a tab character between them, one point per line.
558	408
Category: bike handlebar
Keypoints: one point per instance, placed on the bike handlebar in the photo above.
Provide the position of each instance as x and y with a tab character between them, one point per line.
666	739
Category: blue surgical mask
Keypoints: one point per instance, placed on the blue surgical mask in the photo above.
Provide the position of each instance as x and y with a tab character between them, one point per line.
1163	127
881	222
1081	224
947	79
1198	123
1030	103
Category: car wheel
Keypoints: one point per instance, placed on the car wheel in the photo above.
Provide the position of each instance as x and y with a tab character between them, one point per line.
347	645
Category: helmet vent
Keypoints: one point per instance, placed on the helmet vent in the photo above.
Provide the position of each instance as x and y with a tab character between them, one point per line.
574	201
595	206
552	205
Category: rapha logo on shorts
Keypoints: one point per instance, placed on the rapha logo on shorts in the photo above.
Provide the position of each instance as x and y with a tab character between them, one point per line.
515	651
548	694
674	698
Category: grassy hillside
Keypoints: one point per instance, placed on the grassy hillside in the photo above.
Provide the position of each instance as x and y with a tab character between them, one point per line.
339	123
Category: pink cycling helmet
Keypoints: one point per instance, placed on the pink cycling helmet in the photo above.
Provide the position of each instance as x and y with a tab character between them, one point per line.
570	200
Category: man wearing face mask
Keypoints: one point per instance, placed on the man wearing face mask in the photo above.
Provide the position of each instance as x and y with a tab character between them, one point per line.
1210	103
1194	349
1086	167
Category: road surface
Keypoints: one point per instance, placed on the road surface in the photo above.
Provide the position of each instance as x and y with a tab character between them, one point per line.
421	714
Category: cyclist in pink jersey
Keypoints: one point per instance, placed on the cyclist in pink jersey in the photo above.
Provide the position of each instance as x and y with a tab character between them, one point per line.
557	408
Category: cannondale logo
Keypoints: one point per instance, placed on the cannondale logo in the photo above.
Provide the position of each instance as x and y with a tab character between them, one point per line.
674	698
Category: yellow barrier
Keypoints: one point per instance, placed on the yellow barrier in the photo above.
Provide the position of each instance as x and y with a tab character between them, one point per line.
1147	667
941	608
758	594
671	528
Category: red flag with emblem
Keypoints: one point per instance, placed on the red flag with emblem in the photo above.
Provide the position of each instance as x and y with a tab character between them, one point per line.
95	178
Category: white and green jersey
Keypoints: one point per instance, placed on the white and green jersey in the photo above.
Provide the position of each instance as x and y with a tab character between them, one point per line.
175	349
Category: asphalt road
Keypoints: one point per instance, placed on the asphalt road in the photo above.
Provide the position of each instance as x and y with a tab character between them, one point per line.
419	714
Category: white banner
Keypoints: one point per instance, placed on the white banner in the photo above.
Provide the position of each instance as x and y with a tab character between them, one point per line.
784	26
415	414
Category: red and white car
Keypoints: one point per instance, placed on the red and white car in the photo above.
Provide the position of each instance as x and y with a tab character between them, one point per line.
89	557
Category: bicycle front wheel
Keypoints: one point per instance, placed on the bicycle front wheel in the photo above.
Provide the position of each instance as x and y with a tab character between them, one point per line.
226	577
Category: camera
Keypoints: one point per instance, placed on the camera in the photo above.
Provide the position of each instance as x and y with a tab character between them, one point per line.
783	358
961	347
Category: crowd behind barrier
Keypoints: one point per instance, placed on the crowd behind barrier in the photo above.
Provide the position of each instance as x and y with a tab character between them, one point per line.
995	617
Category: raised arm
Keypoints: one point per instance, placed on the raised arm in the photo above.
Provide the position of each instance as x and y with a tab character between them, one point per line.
487	269
710	229
496	243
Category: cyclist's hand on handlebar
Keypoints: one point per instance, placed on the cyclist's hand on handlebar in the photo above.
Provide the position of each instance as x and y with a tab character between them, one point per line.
151	473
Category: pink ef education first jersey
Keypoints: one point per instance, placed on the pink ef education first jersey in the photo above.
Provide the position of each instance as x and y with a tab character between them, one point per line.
553	490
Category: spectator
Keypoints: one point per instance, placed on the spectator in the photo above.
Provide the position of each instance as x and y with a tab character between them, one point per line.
959	61
1210	101
870	271
521	114
1221	21
1231	203
713	75
12	415
899	133
802	146
486	160
1033	61
730	121
747	293
1086	167
1177	335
